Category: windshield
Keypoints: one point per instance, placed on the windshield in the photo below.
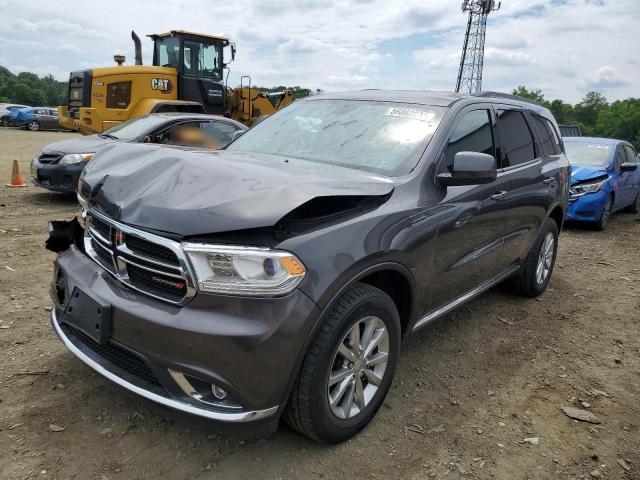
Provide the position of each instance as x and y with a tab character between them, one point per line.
590	154
134	128
379	137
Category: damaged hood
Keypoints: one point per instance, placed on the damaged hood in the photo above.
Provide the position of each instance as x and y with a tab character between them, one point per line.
580	173
198	192
88	144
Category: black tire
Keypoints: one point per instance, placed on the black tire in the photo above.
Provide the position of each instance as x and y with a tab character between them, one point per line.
635	206
4	121
33	126
308	410
526	282
606	215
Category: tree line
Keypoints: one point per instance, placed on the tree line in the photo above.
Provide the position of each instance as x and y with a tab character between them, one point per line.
594	114
27	88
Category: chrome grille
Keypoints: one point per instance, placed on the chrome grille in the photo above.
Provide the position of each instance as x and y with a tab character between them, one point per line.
143	261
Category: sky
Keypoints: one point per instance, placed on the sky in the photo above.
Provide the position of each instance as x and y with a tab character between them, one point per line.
563	47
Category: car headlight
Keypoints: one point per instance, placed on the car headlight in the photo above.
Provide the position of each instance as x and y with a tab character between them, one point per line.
244	270
584	188
75	158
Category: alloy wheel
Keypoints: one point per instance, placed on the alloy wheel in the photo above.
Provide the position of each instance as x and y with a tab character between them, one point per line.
358	367
34	126
545	259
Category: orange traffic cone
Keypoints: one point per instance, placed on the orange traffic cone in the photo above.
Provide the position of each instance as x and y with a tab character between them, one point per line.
16	178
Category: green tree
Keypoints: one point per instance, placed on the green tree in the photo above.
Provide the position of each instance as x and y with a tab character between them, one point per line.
620	120
586	112
30	89
535	95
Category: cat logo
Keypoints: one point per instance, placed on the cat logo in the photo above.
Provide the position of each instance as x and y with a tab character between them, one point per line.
162	84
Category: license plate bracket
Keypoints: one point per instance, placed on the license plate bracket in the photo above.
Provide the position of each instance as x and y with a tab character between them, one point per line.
88	314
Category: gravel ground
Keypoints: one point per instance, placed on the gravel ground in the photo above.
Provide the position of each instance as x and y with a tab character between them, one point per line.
469	389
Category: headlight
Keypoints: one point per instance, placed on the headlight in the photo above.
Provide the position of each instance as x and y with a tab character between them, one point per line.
244	270
75	158
585	188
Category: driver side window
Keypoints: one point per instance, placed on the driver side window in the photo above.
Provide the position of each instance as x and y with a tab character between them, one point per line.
473	133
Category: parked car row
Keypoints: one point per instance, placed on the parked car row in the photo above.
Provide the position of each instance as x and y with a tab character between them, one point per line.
275	277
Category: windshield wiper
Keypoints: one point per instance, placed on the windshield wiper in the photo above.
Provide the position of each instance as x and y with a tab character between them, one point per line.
108	135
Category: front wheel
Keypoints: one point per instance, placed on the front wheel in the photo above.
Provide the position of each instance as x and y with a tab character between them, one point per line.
536	271
4	121
348	368
606	215
33	126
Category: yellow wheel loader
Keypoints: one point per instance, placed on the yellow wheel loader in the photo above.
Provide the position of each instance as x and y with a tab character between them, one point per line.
187	75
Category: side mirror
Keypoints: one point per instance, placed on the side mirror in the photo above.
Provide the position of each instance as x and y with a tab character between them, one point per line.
470	168
628	167
233	52
236	134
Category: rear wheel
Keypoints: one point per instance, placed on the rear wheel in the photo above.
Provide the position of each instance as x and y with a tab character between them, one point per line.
348	368
33	126
536	271
606	215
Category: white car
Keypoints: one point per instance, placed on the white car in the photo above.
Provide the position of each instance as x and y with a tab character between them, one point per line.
5	110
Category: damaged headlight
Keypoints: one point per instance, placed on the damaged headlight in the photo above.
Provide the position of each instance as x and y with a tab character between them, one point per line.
584	188
244	270
75	158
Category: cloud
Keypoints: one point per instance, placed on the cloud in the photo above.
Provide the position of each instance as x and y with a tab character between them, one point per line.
606	77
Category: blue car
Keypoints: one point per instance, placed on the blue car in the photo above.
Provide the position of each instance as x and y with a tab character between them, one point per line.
605	179
36	118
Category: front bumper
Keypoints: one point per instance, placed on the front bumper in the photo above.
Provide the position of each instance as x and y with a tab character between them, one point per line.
587	208
248	347
56	177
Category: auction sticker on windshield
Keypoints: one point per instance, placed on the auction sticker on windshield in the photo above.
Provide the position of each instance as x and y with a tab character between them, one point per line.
411	113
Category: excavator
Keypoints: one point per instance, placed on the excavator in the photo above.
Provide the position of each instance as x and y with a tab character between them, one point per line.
187	75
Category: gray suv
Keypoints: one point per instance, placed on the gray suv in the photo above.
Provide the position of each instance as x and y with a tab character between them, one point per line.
277	277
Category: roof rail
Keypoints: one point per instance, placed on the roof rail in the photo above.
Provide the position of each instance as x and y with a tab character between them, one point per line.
506	95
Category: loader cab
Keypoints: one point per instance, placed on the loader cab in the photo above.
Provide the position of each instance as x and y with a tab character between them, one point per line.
199	60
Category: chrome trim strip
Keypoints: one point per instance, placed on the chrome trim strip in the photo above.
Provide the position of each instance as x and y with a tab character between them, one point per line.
244	416
98	237
148	269
465	297
127	251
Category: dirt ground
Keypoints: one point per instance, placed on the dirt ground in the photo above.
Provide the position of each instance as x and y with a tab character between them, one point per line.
469	389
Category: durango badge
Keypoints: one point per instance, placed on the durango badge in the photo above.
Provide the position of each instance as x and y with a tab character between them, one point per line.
162	84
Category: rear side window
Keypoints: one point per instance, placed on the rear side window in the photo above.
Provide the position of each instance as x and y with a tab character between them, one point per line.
632	156
472	134
221	132
516	142
620	157
548	136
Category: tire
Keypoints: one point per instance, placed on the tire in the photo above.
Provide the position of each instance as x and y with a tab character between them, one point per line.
606	215
528	282
4	121
34	126
309	410
635	206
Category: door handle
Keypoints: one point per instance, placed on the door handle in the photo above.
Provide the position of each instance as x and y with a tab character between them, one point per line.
549	181
498	196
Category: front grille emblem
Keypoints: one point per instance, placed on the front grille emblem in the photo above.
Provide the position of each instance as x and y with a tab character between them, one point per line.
118	238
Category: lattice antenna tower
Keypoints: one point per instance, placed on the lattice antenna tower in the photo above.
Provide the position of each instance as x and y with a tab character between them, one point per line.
471	63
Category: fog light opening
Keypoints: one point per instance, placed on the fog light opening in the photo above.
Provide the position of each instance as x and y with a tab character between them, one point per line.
218	392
